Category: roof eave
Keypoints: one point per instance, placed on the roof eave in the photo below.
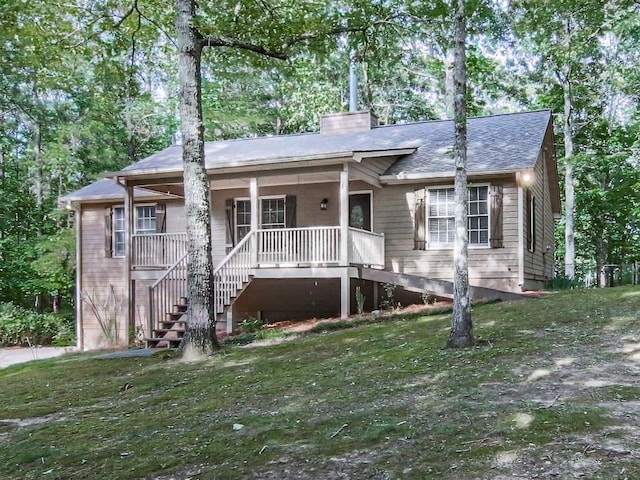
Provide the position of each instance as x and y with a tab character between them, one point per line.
417	177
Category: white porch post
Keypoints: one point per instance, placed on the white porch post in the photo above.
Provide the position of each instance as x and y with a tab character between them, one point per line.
344	242
344	216
253	194
345	298
128	254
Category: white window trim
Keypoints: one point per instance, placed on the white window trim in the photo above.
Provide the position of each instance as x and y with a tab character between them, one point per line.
113	225
449	246
236	225
272	197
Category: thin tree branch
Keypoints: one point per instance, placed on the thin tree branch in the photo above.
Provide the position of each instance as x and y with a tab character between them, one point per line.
211	41
281	53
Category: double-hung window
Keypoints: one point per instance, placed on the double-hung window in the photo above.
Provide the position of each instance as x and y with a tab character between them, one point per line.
441	216
243	217
144	224
272	212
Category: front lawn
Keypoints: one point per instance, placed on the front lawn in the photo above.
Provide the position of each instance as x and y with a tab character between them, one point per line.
551	390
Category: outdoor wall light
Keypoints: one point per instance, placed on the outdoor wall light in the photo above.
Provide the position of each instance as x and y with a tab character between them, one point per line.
525	177
324	203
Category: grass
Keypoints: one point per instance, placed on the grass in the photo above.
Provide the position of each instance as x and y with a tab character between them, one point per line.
550	390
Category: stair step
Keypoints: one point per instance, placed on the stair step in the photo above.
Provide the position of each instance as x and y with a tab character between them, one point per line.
168	330
175	315
173	322
180	307
155	342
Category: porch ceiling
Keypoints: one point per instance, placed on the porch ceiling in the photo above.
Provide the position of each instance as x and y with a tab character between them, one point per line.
265	179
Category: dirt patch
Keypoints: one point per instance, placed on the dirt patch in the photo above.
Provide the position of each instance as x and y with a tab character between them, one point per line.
28	422
308	324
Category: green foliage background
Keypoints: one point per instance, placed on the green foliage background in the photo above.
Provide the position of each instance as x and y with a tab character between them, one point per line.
88	87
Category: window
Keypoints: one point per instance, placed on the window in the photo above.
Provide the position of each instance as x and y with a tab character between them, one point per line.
145	223
442	229
119	231
145	220
272	213
478	216
243	218
441	216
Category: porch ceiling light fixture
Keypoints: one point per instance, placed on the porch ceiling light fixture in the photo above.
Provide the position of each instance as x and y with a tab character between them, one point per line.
525	177
324	203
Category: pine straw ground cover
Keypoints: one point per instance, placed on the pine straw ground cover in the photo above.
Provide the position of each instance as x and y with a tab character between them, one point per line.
551	390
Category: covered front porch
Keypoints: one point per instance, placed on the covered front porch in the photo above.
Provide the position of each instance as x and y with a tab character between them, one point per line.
280	224
305	252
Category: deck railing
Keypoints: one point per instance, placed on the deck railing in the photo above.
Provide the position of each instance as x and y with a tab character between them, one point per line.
299	246
166	292
366	248
158	249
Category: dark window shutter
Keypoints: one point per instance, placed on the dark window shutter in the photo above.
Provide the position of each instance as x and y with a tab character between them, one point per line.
231	231
161	218
530	216
496	217
108	237
290	211
420	231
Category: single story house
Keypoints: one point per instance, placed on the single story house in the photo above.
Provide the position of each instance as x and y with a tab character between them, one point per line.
300	221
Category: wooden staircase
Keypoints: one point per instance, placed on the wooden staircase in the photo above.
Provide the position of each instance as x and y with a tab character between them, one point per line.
167	296
171	329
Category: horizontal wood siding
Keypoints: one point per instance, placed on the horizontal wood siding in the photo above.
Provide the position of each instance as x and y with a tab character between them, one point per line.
99	273
308	213
394	216
538	265
176	217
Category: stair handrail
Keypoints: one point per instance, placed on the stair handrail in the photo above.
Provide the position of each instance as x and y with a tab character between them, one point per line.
232	273
166	298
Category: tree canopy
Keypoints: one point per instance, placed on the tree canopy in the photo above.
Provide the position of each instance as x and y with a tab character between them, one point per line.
91	86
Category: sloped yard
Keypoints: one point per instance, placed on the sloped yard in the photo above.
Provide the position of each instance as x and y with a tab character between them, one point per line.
551	391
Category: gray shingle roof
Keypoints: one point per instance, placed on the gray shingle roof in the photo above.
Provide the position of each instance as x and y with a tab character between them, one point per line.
495	143
103	189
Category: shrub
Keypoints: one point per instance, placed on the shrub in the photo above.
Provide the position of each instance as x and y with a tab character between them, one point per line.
250	324
21	327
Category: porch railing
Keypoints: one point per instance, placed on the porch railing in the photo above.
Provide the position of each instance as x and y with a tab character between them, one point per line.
166	292
158	249
366	248
309	245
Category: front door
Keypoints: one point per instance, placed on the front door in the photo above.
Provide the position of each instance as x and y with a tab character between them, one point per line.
360	211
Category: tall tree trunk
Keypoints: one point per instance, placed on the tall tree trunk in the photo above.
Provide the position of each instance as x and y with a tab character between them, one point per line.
461	334
449	82
200	338
569	194
37	175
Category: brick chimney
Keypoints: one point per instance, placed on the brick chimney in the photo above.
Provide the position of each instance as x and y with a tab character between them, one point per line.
347	122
